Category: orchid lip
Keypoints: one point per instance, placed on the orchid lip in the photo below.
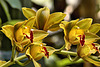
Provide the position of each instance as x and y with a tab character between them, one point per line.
95	47
31	36
82	39
45	51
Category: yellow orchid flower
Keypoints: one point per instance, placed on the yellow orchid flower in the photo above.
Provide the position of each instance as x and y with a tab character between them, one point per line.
37	51
84	50
75	28
2	62
44	20
22	34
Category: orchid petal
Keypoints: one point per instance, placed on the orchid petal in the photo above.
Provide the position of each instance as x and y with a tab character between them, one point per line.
54	18
39	35
28	13
41	17
8	30
84	24
94	28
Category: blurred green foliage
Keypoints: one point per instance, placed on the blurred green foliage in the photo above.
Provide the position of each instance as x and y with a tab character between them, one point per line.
15	4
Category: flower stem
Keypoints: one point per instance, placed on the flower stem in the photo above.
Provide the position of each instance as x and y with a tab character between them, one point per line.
23	64
94	58
73	59
13	62
13	53
64	52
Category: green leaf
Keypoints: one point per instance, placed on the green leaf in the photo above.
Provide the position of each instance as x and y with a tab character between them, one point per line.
84	24
28	13
5	7
94	28
15	4
12	22
0	22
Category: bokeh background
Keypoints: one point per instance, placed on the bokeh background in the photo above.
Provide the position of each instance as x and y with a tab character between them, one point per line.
10	13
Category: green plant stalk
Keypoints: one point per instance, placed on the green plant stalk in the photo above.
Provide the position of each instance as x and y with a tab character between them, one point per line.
23	64
66	61
4	5
13	62
16	54
94	58
73	59
13	53
64	52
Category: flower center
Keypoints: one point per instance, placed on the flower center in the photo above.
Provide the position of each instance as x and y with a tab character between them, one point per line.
45	51
82	39
30	37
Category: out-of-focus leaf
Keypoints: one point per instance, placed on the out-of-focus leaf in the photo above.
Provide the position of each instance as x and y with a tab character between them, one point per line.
51	61
48	3
5	7
15	4
0	22
12	22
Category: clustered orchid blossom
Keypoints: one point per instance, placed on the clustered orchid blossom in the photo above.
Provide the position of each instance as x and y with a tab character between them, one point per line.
26	36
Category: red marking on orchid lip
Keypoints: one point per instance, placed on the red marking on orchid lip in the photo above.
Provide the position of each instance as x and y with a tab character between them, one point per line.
93	44
26	36
95	47
82	39
46	52
31	36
